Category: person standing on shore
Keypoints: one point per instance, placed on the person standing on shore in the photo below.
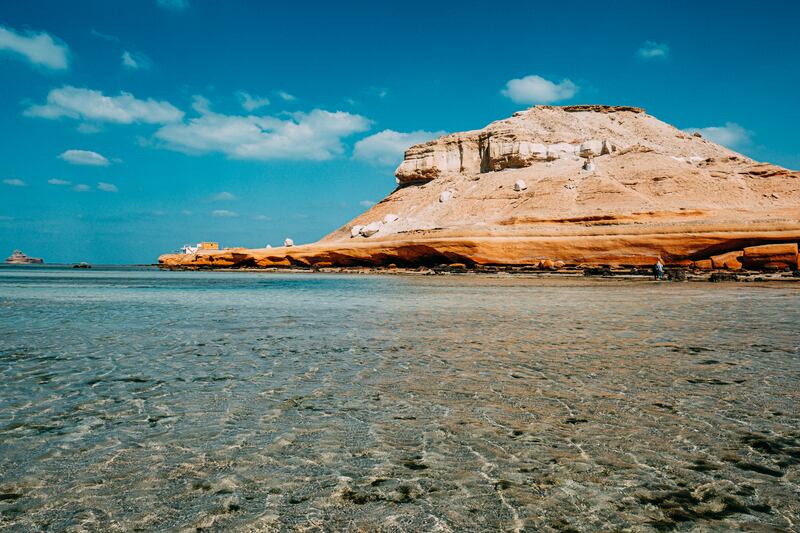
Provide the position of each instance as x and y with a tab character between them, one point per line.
658	270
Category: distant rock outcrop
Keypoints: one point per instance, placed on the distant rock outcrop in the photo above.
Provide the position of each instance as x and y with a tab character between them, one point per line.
574	185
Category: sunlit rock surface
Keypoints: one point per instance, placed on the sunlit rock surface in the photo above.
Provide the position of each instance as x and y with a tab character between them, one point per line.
606	185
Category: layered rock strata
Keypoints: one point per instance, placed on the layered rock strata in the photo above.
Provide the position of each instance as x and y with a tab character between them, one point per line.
578	185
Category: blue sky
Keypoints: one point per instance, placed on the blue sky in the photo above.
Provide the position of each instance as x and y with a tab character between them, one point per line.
133	127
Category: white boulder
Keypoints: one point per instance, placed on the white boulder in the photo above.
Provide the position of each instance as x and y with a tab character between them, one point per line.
371	229
590	148
268	247
355	231
391	217
288	242
589	165
519	185
445	196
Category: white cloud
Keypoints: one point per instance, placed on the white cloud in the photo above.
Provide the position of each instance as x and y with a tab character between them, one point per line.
107	187
56	181
84	157
186	212
653	50
537	90
174	5
316	135
81	187
262	217
89	128
250	102
38	48
286	96
201	104
224	196
86	104
731	134
366	203
388	146
224	213
136	61
15	182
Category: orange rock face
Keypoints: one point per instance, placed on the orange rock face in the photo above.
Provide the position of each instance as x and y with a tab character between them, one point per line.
730	260
603	186
771	256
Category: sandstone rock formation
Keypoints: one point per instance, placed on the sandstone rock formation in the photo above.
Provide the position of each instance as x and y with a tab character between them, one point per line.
603	185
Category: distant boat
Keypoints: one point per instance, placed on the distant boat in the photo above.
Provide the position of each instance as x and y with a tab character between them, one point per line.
82	264
19	258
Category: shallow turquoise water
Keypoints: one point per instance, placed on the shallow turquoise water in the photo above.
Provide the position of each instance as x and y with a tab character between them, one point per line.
180	400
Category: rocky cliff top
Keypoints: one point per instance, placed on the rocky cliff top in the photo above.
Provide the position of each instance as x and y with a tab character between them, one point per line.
548	133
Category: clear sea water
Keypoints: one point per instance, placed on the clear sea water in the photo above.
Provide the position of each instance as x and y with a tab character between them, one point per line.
133	399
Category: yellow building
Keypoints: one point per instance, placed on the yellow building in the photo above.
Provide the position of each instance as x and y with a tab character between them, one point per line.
208	246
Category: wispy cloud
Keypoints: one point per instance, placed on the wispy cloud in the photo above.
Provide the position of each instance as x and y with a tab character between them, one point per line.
223	213
81	187
316	135
84	157
90	105
14	182
88	128
286	96
251	103
173	5
366	203
223	196
136	61
105	36
388	146
731	134
56	181
107	187
38	48
653	50
262	217
538	90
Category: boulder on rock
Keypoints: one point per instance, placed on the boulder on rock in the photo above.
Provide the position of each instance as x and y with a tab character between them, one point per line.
371	229
445	196
355	231
591	148
391	217
771	256
288	242
547	264
520	185
704	264
729	260
589	165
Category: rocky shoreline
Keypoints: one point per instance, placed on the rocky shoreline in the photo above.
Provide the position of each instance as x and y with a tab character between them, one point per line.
572	273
